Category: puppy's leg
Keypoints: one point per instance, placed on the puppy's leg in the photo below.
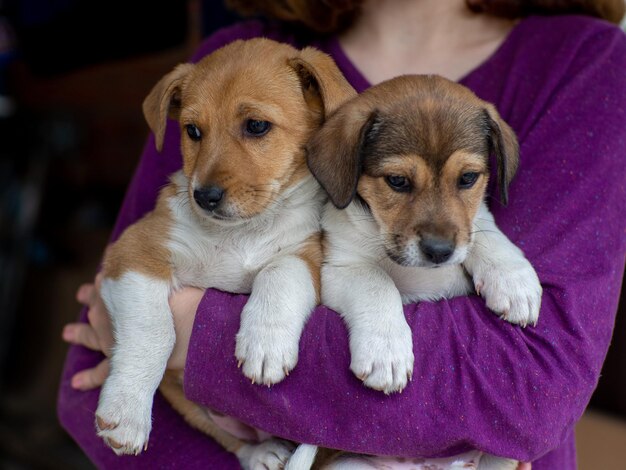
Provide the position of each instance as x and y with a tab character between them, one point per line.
502	274
272	454
197	416
283	295
144	338
381	344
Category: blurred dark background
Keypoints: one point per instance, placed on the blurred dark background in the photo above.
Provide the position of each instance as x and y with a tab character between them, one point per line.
73	75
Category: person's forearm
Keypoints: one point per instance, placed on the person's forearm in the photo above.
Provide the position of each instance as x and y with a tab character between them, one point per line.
478	383
184	304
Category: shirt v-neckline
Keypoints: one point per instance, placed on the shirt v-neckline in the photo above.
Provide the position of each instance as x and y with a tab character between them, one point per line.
360	83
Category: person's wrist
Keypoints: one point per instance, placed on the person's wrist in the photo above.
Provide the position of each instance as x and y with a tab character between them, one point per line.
183	304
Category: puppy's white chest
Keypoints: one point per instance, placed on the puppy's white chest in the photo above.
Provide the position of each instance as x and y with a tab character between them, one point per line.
227	264
416	284
207	255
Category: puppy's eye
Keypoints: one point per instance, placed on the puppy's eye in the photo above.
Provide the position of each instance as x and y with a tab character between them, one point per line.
467	180
398	183
257	128
193	132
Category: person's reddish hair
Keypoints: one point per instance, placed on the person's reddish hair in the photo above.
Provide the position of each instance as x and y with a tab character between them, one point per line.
328	16
610	10
321	16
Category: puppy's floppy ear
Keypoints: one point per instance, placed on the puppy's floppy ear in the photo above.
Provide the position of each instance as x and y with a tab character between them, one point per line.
503	143
324	86
163	101
335	152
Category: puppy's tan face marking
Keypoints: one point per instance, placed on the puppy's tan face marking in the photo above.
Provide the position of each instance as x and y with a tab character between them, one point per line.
413	203
245	113
252	127
424	176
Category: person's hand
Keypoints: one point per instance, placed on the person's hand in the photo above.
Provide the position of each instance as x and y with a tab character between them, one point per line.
96	335
183	304
524	466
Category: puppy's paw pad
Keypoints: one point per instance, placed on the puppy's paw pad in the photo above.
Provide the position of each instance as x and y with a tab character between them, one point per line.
126	439
113	444
103	425
124	428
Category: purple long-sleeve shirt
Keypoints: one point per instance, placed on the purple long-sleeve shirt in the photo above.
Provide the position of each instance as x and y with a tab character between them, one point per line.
478	382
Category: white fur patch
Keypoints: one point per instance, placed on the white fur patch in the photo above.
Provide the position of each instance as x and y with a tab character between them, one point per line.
144	338
381	344
282	298
207	254
502	274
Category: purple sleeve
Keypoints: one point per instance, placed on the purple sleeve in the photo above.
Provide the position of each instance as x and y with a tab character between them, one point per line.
173	444
478	381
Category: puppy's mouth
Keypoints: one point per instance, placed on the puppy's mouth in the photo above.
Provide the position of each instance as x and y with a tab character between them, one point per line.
230	217
399	259
411	261
219	215
221	218
412	257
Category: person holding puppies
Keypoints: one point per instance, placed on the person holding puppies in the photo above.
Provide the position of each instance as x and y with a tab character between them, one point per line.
557	75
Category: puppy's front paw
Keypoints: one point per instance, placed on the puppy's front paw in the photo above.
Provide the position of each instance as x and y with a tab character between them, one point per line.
512	290
266	354
124	422
383	358
272	454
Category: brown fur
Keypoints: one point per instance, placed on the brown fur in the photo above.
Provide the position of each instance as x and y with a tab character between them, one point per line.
311	254
428	130
146	241
172	389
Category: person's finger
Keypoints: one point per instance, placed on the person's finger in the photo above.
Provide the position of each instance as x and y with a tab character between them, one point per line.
82	334
524	466
98	315
84	292
94	316
99	319
98	280
91	378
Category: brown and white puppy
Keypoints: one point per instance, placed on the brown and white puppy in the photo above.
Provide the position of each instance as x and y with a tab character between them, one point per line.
242	215
406	165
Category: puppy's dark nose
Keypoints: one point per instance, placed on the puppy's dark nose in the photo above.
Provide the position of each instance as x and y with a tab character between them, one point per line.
437	250
208	198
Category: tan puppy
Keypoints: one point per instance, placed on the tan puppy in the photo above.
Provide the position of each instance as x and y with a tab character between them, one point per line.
242	216
406	165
